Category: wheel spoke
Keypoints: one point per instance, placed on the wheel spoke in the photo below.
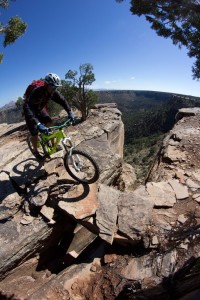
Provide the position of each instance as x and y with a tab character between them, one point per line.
81	166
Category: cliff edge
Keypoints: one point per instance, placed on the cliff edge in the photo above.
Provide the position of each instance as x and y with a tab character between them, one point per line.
50	220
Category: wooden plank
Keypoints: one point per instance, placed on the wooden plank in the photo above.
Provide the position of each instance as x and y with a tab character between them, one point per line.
82	239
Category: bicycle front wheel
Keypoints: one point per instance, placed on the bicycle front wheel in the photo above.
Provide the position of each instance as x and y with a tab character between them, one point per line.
81	166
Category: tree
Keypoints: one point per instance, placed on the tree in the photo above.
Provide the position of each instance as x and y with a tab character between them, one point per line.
76	89
19	102
175	19
13	29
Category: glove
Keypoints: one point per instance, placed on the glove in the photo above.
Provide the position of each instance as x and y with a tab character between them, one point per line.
42	128
71	116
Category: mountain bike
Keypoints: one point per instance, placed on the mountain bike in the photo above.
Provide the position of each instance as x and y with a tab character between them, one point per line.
79	164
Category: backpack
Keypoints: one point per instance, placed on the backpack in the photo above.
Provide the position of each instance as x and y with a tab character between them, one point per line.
34	84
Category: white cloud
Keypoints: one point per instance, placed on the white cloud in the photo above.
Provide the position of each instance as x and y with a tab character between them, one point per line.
112	81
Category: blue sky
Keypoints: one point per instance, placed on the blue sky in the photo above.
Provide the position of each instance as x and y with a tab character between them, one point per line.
61	35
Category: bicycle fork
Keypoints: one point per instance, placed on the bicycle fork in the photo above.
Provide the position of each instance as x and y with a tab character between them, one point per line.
68	146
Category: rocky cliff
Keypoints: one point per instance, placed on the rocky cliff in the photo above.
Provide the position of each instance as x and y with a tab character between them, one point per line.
63	240
11	115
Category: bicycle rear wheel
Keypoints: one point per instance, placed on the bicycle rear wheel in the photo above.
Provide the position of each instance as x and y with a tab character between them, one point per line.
81	167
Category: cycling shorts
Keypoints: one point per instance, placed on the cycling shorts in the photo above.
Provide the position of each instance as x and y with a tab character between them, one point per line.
43	118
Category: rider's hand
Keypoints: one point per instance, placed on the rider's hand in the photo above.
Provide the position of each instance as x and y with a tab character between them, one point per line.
71	117
42	128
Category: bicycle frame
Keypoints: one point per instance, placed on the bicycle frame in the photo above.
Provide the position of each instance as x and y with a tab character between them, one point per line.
57	136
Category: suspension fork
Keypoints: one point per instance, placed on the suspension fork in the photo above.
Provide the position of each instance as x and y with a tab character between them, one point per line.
67	144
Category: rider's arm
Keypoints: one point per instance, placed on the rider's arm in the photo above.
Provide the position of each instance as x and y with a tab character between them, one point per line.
58	98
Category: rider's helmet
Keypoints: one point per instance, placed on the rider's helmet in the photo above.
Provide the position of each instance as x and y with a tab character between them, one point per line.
53	79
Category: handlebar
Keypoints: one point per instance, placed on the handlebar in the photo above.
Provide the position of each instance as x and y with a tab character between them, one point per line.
67	122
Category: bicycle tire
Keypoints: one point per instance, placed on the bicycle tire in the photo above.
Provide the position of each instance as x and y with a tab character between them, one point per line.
89	172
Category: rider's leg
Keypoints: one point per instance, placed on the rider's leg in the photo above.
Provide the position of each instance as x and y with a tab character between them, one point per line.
53	141
34	136
49	124
45	119
34	140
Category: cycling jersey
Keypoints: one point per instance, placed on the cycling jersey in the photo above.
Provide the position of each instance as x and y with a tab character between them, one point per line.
38	100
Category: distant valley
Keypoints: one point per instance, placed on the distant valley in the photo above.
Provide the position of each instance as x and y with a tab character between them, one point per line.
147	116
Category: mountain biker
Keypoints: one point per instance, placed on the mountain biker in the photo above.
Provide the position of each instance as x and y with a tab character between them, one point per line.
35	113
